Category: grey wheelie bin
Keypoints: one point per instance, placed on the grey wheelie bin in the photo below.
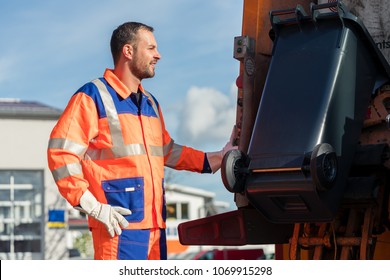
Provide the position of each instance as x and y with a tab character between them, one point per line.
324	70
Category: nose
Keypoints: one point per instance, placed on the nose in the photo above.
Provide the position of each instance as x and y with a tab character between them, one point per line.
157	55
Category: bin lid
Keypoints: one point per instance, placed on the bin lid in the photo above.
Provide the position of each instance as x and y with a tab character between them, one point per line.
337	9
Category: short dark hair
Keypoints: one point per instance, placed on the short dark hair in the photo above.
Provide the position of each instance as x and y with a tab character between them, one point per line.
125	33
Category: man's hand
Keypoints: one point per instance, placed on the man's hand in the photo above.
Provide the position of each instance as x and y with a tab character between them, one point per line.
110	216
215	158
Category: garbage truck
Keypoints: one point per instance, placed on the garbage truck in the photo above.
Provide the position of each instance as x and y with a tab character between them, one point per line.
311	172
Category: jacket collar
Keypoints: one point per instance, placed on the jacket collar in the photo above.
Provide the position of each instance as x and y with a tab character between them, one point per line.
117	84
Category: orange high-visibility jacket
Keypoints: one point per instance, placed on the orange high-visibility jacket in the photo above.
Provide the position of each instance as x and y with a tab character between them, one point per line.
117	149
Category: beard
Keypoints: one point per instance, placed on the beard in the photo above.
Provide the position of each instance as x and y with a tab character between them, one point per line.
142	71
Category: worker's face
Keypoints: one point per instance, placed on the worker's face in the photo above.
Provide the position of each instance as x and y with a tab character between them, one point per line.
145	55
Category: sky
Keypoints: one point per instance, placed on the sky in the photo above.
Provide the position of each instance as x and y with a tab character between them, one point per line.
49	49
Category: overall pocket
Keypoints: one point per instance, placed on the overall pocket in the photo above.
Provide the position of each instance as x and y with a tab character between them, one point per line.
127	193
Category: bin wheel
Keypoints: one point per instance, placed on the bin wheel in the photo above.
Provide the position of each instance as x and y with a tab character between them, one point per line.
323	166
233	178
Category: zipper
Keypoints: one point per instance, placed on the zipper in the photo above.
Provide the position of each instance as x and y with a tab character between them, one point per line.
155	224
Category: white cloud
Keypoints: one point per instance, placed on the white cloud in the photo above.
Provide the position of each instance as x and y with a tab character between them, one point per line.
207	117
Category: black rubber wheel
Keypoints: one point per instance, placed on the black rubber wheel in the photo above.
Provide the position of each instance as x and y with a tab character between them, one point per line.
323	166
233	178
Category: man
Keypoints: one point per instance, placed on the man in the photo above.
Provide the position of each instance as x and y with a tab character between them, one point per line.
108	150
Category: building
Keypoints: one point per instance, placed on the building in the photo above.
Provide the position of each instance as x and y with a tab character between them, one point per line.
27	191
35	221
186	203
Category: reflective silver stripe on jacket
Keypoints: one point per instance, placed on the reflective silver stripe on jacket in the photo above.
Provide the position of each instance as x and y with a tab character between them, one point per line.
67	170
156	151
114	125
66	144
154	106
109	153
167	148
174	155
71	168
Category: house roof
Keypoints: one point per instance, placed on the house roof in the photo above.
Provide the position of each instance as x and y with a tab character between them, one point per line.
11	108
189	190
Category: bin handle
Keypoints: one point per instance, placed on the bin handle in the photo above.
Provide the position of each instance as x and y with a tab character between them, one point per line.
340	11
298	11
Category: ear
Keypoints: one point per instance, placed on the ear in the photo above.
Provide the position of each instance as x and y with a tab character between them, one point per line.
127	51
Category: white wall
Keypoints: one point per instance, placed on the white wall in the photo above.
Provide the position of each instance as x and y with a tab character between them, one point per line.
195	203
23	145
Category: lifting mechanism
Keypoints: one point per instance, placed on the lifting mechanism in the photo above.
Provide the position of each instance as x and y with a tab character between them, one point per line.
363	215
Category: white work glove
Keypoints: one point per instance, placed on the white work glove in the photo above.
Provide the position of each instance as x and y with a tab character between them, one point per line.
215	158
110	216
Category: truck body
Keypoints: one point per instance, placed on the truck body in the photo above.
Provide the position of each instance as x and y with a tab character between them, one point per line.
231	254
311	171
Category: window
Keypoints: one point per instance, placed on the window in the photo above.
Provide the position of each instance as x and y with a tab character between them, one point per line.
184	211
21	212
171	211
178	211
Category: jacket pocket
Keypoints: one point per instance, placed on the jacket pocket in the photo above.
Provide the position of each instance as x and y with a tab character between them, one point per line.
127	193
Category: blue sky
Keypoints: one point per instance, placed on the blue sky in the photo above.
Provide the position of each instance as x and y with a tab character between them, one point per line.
51	48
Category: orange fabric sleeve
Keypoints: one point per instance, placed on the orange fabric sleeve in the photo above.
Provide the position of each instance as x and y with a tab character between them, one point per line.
77	125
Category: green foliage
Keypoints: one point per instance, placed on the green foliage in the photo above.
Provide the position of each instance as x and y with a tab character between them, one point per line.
84	244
